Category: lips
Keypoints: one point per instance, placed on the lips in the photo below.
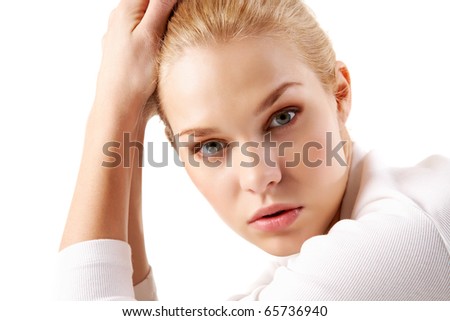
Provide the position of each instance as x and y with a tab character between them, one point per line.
274	218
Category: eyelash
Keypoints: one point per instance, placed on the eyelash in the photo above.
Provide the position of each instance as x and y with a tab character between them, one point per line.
295	111
196	148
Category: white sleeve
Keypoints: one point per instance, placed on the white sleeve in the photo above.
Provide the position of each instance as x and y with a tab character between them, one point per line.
146	289
382	256
99	270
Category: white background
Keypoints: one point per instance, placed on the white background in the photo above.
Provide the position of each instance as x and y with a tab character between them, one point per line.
397	53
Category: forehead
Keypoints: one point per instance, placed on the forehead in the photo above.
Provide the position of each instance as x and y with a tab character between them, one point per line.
210	80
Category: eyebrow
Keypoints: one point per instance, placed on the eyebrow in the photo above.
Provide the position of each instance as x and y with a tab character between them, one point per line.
266	103
275	95
199	132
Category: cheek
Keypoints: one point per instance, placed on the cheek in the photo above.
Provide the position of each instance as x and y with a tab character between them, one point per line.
219	188
329	159
199	178
324	141
327	182
318	145
216	186
323	161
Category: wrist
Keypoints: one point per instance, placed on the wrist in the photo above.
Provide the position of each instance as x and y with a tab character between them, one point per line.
125	115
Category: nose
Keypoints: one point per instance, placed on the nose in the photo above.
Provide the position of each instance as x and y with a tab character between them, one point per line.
259	170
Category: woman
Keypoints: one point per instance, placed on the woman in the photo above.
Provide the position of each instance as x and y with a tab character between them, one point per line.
255	104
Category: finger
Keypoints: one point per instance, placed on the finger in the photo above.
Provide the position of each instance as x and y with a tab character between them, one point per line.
129	12
156	16
132	6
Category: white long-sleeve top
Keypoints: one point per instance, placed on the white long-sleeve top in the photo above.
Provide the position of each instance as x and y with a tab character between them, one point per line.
391	243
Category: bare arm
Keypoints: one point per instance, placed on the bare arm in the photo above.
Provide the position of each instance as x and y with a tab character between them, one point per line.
107	200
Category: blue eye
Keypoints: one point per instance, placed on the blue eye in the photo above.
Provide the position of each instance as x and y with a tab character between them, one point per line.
212	148
282	118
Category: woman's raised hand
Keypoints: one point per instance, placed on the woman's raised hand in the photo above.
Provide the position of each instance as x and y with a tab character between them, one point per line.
106	201
127	76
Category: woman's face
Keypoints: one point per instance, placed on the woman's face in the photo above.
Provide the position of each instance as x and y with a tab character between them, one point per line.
261	139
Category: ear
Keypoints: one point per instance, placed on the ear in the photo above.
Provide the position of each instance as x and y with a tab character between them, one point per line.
343	91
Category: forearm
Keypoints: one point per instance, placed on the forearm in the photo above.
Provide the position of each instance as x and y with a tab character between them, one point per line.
100	204
107	198
135	224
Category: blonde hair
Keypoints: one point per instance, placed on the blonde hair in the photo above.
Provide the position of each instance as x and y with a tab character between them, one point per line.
202	22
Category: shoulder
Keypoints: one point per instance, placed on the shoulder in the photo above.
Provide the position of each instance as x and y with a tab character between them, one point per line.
382	256
379	257
410	193
427	183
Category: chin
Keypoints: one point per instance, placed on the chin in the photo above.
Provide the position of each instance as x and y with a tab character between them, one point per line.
280	246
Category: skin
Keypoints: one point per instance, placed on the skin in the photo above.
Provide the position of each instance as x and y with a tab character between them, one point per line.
214	93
